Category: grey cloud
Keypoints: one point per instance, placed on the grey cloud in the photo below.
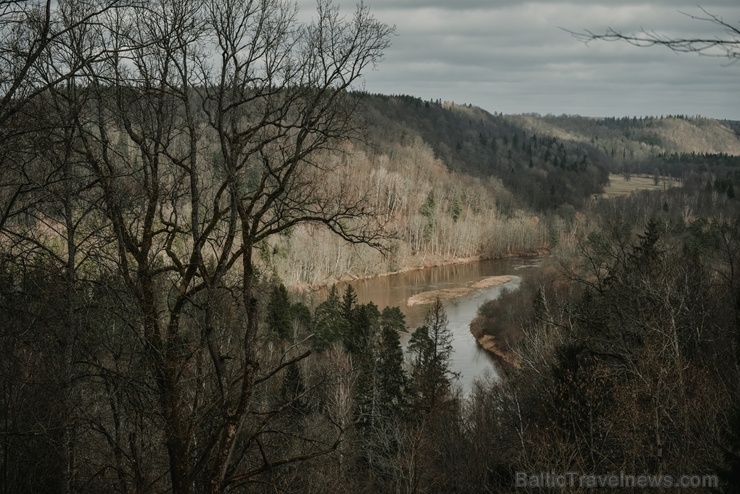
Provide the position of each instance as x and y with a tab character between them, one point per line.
496	4
511	56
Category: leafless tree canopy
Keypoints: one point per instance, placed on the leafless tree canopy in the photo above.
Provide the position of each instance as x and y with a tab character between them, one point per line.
163	142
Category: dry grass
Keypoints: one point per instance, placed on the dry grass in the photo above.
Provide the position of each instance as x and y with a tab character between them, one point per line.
618	186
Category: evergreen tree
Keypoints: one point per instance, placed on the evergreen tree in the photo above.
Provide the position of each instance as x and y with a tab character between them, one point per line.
361	328
431	348
392	377
382	381
349	300
427	209
329	322
380	397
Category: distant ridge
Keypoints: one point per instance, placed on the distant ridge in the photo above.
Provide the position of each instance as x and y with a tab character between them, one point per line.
549	161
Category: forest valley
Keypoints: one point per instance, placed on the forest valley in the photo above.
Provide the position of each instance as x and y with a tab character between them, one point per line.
175	176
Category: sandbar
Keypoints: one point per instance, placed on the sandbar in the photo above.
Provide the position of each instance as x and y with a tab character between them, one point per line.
450	293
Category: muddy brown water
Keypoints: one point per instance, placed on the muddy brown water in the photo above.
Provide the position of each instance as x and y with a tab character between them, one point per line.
468	359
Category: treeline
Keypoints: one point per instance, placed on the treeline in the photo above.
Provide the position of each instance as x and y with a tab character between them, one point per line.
714	171
642	145
708	160
339	406
143	170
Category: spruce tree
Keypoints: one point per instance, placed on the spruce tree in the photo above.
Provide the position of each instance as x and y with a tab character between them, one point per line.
361	328
349	300
431	348
391	374
329	322
380	394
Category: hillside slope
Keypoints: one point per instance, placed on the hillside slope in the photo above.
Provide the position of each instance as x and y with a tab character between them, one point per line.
548	161
542	171
631	141
462	183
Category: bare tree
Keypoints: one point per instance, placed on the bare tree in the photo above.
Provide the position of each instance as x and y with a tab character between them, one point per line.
46	201
726	45
210	128
41	48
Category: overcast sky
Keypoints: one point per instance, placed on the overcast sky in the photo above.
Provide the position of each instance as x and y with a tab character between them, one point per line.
512	57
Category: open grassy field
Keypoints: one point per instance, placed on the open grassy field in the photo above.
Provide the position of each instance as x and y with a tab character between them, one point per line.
618	186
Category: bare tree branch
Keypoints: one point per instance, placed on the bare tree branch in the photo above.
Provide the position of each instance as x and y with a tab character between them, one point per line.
725	45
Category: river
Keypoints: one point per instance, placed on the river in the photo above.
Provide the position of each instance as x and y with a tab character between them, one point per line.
468	359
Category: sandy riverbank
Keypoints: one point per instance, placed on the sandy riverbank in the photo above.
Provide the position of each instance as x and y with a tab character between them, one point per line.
492	346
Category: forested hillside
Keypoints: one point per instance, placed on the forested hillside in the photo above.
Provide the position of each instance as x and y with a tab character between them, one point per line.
432	215
461	182
542	171
168	167
648	145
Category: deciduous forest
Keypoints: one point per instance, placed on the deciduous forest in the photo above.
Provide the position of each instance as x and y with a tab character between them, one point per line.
177	175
